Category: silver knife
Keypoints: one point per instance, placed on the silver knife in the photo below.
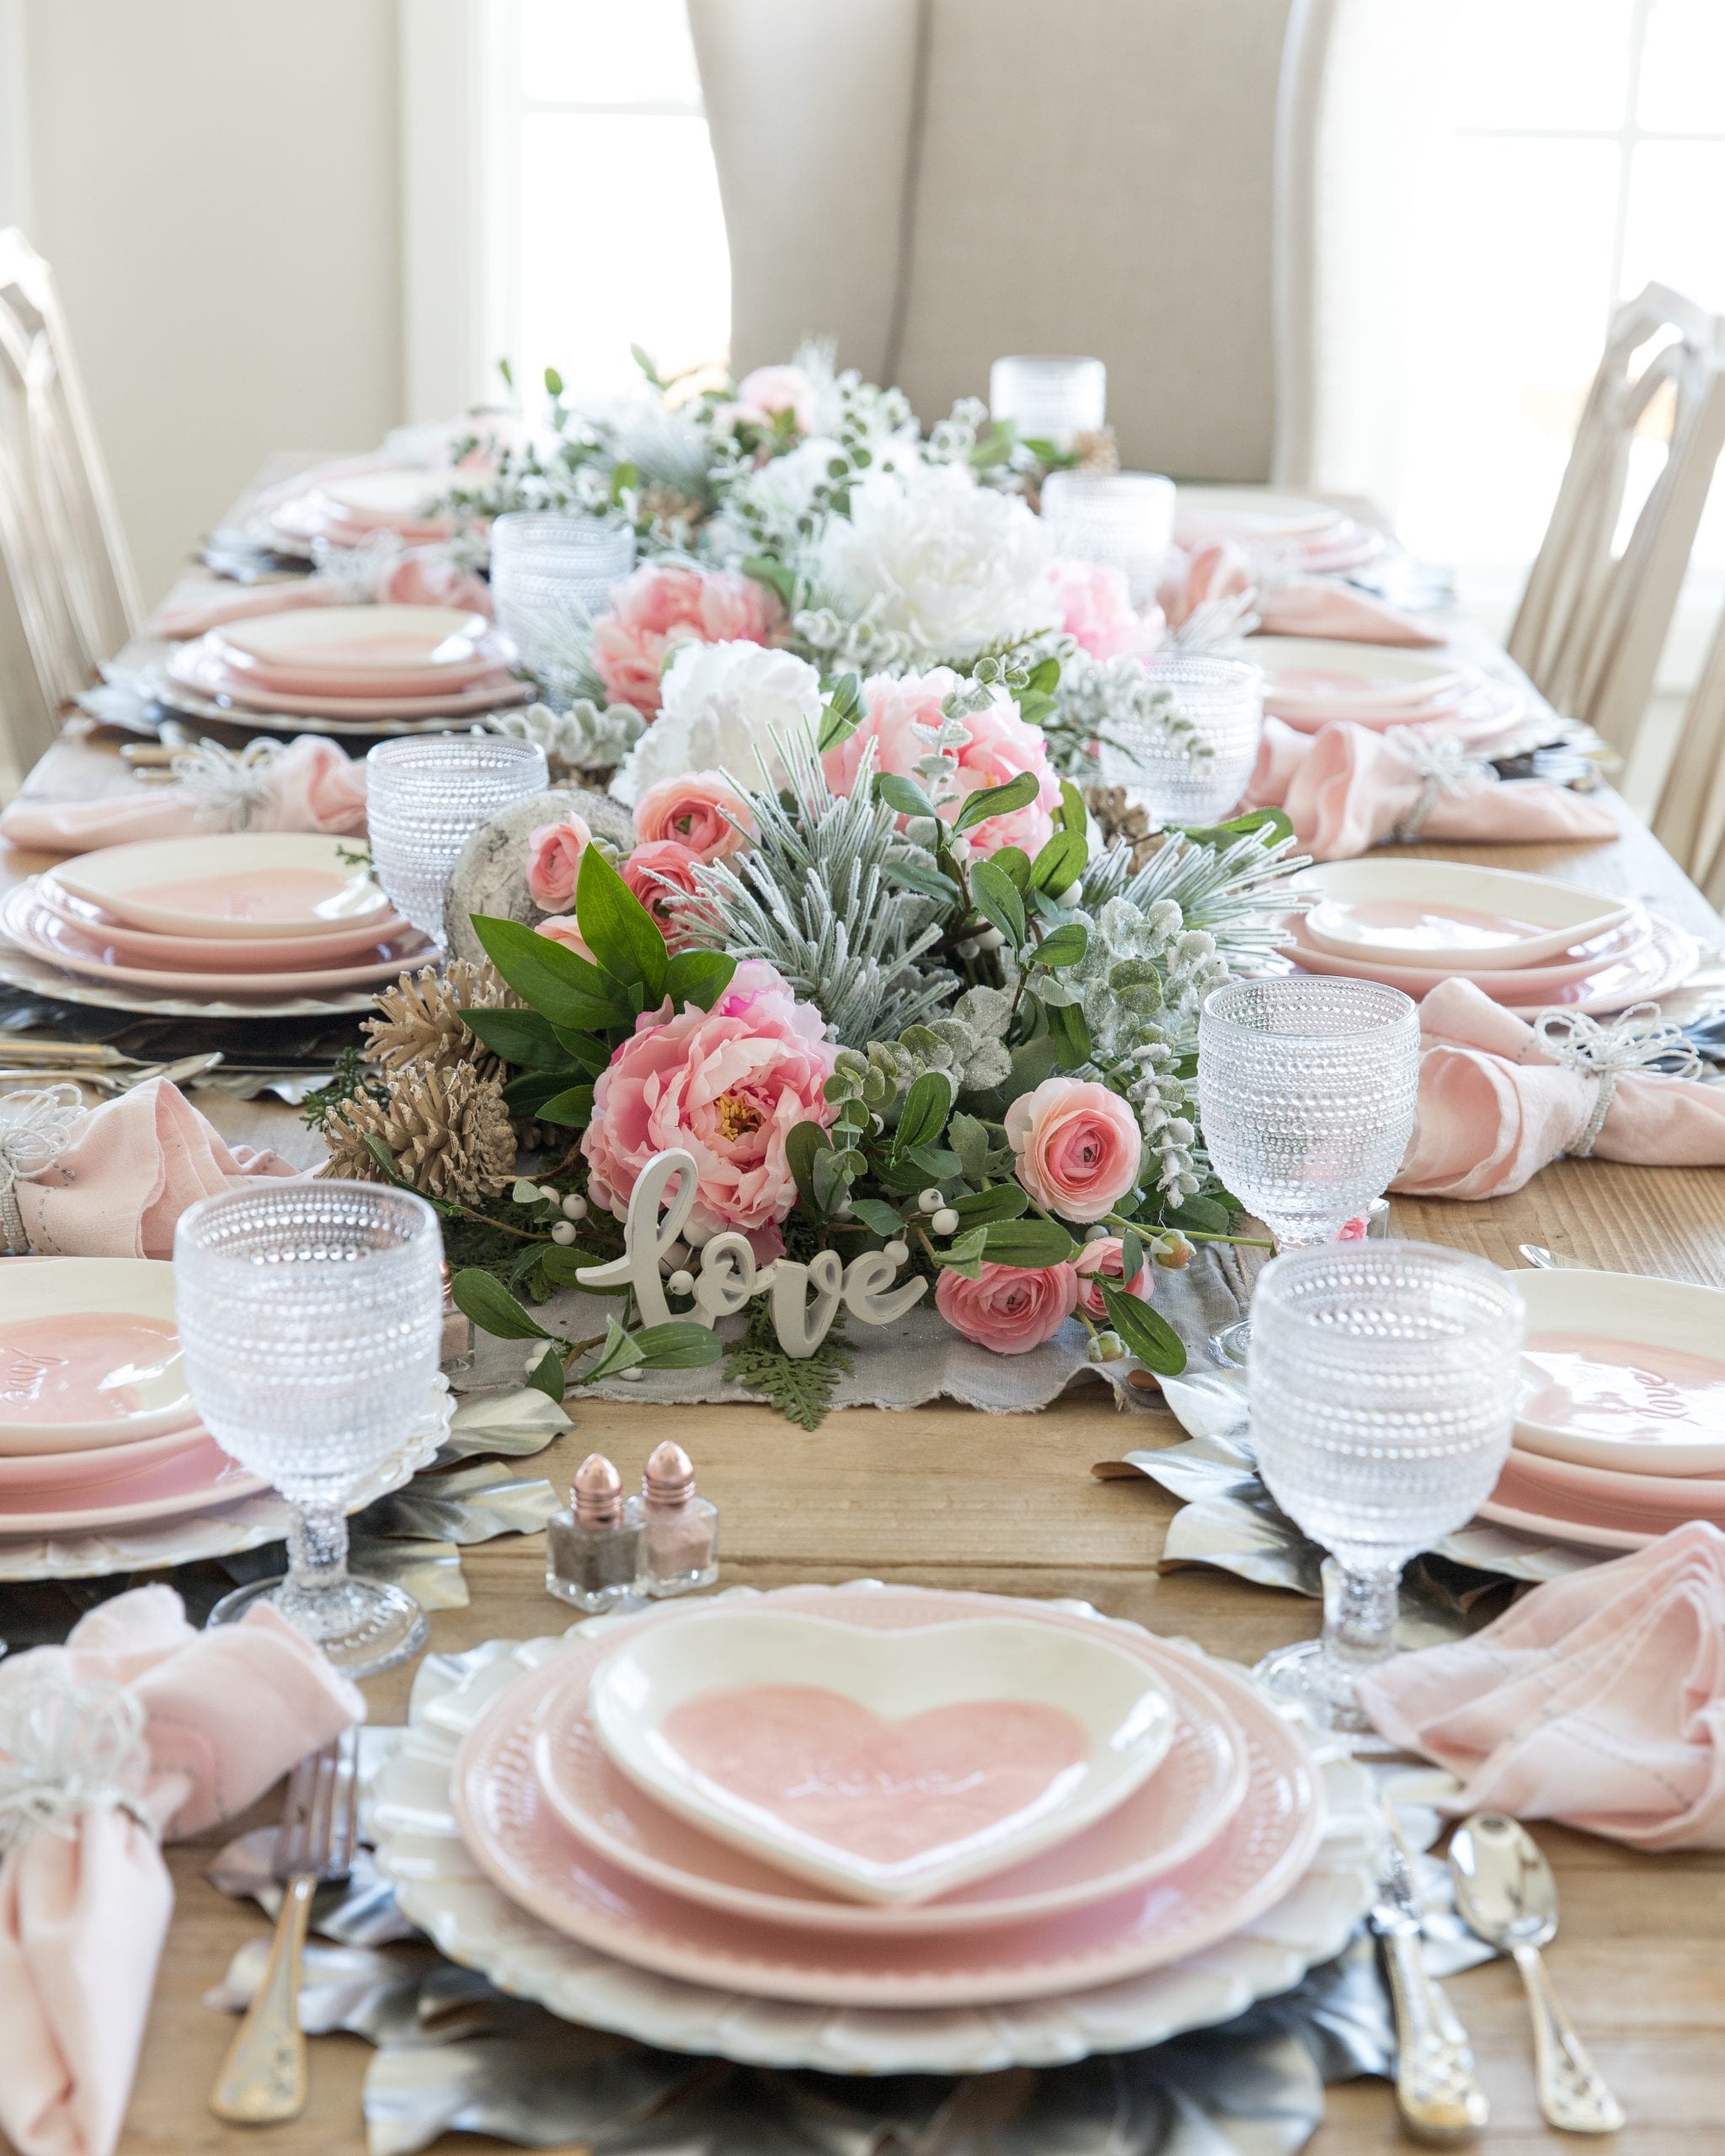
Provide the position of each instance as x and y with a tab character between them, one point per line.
1437	2092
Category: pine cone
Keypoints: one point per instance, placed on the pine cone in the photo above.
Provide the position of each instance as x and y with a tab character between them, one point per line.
447	1131
1097	449
420	1020
1124	823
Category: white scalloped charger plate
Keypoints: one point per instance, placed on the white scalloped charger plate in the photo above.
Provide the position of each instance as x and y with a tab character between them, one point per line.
441	1888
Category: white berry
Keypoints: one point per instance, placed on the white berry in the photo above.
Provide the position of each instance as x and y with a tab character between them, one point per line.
551	1196
1069	897
535	1356
945	1222
574	1206
931	1200
681	1284
1096	1232
563	1232
632	1375
898	1252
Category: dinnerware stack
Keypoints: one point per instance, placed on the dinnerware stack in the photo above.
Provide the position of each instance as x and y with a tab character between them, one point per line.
357	664
1526	942
259	917
1620	1435
1307	538
1312	682
97	1425
345	505
930	1819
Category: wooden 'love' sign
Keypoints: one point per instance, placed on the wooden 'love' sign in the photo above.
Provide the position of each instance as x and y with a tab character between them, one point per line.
727	1276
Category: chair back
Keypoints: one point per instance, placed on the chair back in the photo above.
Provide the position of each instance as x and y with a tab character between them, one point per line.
1689	819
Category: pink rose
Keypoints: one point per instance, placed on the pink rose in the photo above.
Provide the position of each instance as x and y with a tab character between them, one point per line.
658	874
1078	1146
1105	1259
700	812
730	1085
662	606
766	392
564	928
1012	1308
555	853
1097	613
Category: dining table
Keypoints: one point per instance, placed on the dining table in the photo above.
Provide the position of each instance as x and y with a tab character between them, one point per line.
945	1496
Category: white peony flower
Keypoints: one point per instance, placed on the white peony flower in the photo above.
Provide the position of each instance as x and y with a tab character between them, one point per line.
721	704
955	566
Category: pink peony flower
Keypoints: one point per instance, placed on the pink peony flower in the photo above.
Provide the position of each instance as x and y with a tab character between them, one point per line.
660	607
657	873
1078	1146
1001	745
555	853
1097	611
1106	1258
564	928
702	811
766	392
729	1083
1012	1308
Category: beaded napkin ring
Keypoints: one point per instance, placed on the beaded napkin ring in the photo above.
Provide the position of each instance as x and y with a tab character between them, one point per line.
35	1129
67	1748
1635	1040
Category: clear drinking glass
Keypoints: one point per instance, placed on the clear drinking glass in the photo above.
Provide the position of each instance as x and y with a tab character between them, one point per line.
310	1316
425	795
1123	519
1382	1380
551	571
1049	397
1220	702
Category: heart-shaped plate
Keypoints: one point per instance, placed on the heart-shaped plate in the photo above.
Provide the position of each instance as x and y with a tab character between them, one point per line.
889	1768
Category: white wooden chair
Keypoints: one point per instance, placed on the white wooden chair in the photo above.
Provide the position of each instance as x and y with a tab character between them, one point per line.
68	598
1593	617
1689	819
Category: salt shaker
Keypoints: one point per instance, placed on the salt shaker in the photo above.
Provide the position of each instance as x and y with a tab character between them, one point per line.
593	1550
679	1530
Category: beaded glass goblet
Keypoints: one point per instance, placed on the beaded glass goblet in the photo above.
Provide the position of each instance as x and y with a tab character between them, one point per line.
310	1316
1191	766
1049	397
551	571
425	795
1121	519
1382	1381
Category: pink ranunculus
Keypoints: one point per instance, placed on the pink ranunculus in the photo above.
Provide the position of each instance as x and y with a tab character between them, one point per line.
1097	613
766	392
703	812
1105	1259
555	853
657	873
661	606
564	928
1012	1308
730	1085
1078	1146
1356	1230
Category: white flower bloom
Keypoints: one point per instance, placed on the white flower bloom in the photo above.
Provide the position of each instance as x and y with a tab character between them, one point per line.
954	565
721	703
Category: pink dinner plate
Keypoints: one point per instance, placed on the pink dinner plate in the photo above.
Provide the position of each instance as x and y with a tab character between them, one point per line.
1502	983
1672	1497
38	929
1595	1521
80	1470
517	1837
1662	964
197	666
1166	1820
377	650
143	946
203	1477
1475	720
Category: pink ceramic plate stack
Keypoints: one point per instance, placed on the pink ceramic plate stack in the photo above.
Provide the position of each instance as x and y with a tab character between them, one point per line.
346	504
897	1800
97	1427
1312	682
1306	538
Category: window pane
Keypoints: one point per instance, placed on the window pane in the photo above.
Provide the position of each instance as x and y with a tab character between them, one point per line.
1538	63
1674	233
608	52
621	240
1683	67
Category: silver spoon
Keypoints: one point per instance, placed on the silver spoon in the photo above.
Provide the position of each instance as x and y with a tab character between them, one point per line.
1506	1893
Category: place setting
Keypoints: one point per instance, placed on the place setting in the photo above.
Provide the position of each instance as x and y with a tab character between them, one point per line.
1314	538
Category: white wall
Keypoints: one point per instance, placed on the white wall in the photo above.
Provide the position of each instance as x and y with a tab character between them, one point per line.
216	183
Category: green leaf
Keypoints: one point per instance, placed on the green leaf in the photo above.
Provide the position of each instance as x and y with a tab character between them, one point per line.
1274	823
832	1171
1061	862
526	1094
904	1177
1044	677
842	714
939	1162
619	1353
573	1108
801	1143
1002	1201
1151	1338
1131	1256
903	794
876	1214
996	899
1206	1214
800	1386
699	977
484	1298
639	355
526	1038
997	801
585	1049
547	1375
964	1253
1064	947
1015	862
561	1262
924	1115
925	878
1070	1034
777	576
1032	1242
1072	815
620	931
968	1138
679	1345
553	382
551	979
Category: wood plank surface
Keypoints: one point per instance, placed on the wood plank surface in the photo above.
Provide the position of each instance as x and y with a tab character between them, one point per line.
943	1496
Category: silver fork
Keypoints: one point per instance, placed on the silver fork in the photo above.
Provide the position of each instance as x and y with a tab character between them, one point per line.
263	2077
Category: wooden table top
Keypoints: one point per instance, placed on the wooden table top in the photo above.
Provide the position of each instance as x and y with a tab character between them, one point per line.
942	1495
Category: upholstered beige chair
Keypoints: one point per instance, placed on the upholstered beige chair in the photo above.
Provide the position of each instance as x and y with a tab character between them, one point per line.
1203	193
1595	613
68	596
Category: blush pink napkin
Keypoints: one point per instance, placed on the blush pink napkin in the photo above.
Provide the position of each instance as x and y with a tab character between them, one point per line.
1495	1106
1598	1699
423	576
133	1166
1305	606
1348	788
313	787
82	1914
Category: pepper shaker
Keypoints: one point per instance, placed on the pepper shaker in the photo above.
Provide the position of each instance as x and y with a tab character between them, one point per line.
593	1550
679	1529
